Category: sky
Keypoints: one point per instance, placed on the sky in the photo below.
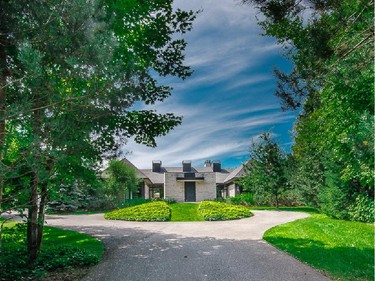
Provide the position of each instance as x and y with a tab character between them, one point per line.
229	100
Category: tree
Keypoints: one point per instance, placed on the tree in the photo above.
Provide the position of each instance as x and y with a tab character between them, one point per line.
316	35
69	79
121	181
330	44
266	176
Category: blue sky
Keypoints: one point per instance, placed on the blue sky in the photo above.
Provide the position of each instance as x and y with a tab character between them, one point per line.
229	100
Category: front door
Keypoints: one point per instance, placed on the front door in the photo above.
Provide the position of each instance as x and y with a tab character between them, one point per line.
190	192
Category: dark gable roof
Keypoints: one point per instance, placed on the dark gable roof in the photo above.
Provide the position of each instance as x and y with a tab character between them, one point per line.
225	176
235	174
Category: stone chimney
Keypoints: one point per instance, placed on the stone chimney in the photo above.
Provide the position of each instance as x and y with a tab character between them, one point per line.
216	166
186	166
208	163
156	166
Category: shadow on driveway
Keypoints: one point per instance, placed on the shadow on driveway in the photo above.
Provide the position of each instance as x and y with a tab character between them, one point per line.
136	255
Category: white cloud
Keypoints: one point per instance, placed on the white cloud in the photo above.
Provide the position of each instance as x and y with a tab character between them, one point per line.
229	100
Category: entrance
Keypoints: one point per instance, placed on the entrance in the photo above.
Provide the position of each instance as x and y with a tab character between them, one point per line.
190	192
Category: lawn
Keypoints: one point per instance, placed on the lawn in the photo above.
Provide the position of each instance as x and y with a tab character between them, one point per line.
343	250
185	212
304	209
180	212
64	254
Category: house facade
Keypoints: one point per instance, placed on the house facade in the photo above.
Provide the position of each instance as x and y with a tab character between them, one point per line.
186	183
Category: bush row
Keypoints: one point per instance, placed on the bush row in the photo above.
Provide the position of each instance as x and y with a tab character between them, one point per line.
215	211
160	211
154	211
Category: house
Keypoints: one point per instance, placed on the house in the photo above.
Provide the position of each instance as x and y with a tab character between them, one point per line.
187	183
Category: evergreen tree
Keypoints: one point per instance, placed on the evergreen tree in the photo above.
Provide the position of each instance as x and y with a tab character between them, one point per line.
70	72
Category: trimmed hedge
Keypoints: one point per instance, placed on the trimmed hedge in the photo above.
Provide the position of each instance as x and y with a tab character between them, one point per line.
216	211
154	211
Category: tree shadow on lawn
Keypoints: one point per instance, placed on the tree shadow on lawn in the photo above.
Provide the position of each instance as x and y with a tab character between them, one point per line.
346	263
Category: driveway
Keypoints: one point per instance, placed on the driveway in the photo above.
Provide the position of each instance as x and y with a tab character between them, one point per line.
168	251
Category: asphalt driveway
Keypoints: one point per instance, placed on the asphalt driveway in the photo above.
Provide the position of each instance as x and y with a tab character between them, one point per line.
168	251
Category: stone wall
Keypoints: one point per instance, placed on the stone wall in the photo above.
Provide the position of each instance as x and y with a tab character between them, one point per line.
205	189
172	188
233	190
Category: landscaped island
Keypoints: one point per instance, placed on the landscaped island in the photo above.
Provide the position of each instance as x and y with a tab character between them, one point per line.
161	211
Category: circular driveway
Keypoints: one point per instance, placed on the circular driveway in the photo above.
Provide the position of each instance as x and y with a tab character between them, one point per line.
168	251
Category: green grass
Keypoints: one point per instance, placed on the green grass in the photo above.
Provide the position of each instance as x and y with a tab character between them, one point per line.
185	212
55	236
304	209
60	250
343	250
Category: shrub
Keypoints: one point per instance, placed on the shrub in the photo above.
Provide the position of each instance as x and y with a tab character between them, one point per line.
154	211
242	199
362	209
133	202
333	202
169	200
14	256
214	211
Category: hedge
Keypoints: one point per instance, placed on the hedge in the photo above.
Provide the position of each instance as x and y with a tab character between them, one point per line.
154	211
215	211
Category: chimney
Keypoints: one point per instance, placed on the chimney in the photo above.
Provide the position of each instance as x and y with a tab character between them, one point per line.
186	166
208	163
156	166
216	166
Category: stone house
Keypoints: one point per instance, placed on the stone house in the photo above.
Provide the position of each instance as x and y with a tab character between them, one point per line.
187	183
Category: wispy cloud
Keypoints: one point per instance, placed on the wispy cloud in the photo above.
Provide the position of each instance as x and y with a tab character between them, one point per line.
229	99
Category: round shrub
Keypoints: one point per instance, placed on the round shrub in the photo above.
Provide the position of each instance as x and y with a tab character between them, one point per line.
362	209
154	211
215	211
245	199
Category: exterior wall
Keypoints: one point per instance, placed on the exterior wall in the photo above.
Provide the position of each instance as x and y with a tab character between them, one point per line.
172	188
147	191
233	190
206	190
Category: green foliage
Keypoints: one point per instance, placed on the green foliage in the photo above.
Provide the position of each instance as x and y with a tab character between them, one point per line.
167	200
362	209
344	250
133	202
266	171
154	211
303	209
185	212
333	202
216	211
244	198
61	249
78	196
332	81
119	182
69	80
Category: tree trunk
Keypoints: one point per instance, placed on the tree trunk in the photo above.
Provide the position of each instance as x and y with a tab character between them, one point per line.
32	220
43	203
41	214
3	79
277	200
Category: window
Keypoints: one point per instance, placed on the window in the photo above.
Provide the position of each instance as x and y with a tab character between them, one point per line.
157	192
